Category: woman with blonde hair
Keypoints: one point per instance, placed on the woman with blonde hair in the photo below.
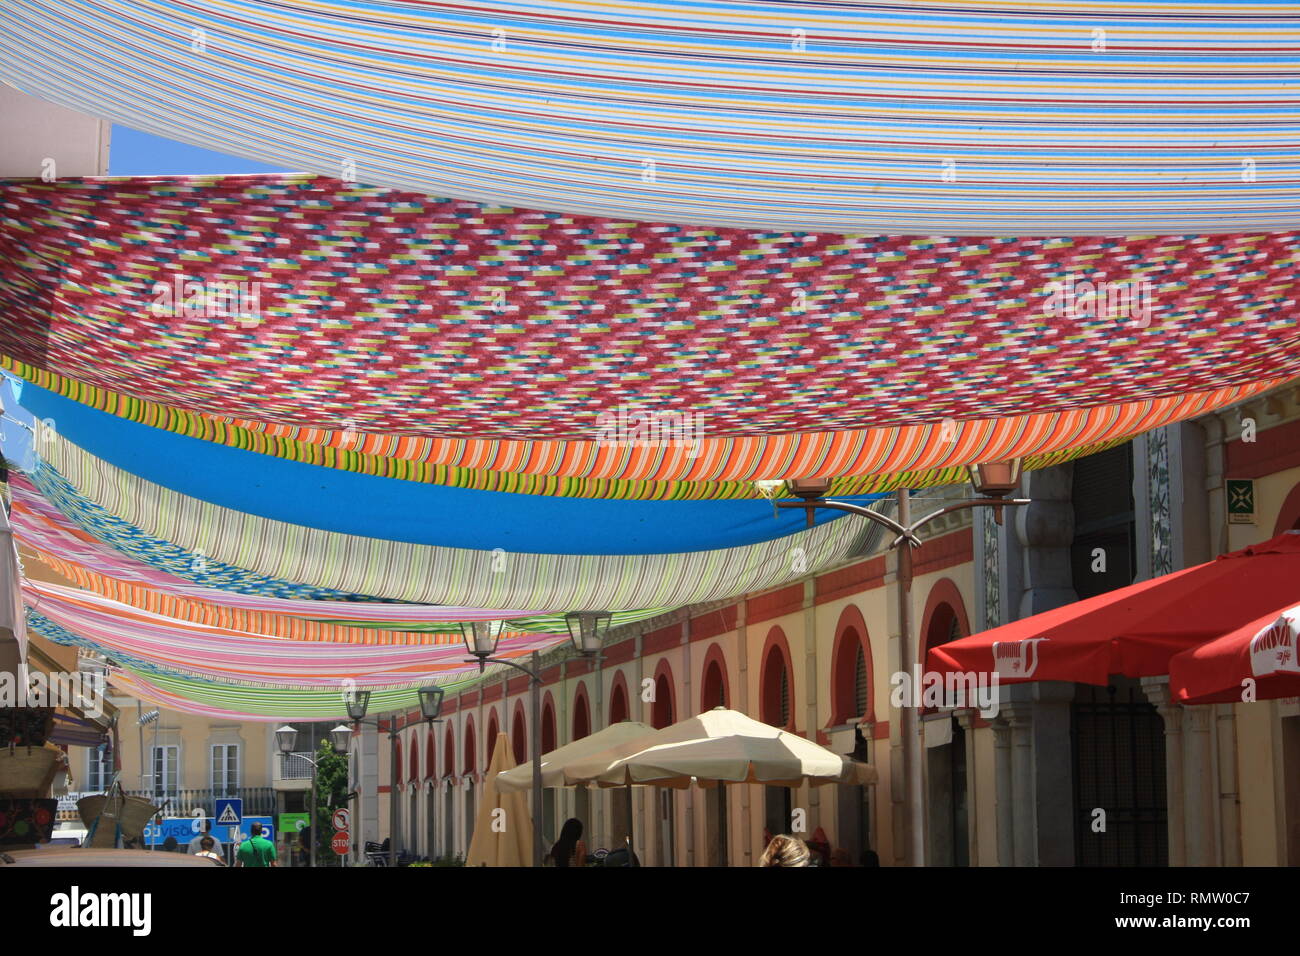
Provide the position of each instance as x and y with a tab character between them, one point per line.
785	851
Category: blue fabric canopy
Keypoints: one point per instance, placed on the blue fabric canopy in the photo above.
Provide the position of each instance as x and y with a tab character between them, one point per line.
414	512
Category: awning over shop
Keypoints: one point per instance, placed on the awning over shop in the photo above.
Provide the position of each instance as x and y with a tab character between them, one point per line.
1135	630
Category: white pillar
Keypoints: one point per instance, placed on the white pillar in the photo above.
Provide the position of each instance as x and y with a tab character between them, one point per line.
1198	783
1157	691
1006	835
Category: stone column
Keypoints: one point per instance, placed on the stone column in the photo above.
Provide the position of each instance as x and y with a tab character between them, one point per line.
1198	781
1229	797
746	847
1005	790
1157	691
1053	782
966	720
368	783
1045	530
810	683
1024	821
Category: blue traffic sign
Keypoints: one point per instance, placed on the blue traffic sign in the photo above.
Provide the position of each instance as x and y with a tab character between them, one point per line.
229	812
182	828
241	832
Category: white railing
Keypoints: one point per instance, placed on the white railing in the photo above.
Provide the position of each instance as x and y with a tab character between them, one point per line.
296	766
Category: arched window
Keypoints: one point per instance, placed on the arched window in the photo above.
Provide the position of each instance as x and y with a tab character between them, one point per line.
662	710
714	693
581	713
776	705
449	754
494	728
470	757
850	670
618	706
519	735
397	742
430	756
414	774
548	725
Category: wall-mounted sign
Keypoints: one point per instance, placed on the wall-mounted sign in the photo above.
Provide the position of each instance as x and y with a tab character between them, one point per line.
1241	501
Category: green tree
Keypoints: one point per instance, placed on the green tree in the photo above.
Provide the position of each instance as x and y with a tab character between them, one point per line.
331	793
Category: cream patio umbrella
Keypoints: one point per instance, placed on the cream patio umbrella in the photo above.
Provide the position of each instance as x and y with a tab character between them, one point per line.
501	838
718	747
625	733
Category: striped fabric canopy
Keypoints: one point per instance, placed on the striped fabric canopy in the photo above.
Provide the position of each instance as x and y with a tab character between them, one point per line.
123	632
560	468
404	511
184	528
95	566
390	312
236	702
1086	117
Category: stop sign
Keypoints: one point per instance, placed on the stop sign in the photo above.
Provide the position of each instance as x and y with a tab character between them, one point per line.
341	843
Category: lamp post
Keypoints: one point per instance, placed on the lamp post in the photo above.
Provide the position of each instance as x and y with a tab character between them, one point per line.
286	738
587	632
992	482
430	707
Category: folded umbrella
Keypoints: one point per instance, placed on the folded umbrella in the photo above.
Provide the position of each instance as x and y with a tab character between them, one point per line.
505	838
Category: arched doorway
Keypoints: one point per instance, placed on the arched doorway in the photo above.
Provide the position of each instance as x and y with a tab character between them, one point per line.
851	704
713	693
776	707
946	765
582	728
620	822
449	816
662	714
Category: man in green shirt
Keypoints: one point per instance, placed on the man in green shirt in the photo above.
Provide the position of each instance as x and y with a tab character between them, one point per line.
257	850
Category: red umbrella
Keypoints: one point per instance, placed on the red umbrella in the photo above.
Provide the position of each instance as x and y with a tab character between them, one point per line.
1135	630
1263	650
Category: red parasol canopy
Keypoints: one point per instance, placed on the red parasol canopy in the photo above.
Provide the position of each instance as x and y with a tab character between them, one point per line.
1263	650
1135	630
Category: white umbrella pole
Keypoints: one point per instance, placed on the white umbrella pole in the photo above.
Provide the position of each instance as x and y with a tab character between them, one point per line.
627	793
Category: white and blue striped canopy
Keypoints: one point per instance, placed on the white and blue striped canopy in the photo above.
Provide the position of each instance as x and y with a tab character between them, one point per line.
996	117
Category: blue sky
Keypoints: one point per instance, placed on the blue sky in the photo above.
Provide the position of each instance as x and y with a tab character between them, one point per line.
132	153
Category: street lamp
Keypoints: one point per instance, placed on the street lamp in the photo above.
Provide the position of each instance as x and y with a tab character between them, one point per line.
286	739
356	703
587	631
993	482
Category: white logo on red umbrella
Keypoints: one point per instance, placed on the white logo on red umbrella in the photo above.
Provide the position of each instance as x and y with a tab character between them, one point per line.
1016	658
1273	650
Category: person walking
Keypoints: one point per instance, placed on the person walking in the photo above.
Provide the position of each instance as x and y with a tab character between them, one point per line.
195	845
257	850
207	850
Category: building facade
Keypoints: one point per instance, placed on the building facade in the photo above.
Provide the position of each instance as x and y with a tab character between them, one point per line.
1215	784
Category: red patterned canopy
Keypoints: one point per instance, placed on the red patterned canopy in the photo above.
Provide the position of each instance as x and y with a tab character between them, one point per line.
392	312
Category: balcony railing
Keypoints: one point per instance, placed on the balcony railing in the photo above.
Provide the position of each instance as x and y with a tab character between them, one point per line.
258	801
296	766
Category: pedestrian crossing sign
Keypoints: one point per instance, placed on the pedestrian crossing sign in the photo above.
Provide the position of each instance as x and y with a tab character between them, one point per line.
230	812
